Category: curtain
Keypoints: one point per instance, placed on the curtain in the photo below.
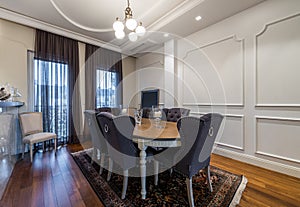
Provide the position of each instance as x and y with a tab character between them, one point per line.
100	58
55	48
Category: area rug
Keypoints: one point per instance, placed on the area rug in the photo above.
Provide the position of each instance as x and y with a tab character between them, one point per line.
171	190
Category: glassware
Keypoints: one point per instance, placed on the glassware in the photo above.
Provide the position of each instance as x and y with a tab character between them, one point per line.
138	114
156	115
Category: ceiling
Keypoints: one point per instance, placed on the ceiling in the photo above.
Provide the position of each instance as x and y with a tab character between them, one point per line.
94	18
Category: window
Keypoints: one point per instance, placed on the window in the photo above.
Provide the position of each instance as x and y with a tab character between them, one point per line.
106	88
51	96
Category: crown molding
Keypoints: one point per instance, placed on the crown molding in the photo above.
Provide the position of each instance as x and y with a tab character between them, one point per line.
179	10
34	23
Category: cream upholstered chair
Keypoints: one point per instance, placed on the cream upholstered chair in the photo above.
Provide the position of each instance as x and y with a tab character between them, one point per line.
32	130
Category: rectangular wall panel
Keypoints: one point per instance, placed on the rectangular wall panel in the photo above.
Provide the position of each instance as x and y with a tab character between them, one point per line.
277	63
278	137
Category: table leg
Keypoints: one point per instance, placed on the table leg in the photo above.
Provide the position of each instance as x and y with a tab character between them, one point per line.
143	148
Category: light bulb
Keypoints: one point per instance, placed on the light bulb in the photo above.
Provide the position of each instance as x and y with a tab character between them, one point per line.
132	36
140	30
118	25
120	34
131	24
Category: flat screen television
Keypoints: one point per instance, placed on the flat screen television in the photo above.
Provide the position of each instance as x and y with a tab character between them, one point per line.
149	98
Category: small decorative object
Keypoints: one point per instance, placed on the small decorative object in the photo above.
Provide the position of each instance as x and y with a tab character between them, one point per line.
4	94
9	93
15	94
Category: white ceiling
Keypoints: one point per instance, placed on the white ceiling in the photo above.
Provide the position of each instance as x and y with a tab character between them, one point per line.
94	18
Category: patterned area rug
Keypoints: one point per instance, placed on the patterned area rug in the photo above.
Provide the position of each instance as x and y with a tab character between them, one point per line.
171	190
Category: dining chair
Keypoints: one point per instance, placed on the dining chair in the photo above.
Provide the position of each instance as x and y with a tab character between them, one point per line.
32	131
173	114
98	140
197	137
118	131
6	126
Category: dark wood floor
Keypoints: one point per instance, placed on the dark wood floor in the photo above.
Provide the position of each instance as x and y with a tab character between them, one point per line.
57	181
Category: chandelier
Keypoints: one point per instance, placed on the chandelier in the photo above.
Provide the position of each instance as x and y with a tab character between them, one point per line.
131	24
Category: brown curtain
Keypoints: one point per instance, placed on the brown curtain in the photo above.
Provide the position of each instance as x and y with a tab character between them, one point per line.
55	48
95	58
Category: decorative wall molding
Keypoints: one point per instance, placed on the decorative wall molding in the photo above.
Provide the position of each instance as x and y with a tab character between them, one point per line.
179	10
213	104
152	64
277	105
256	140
265	28
267	164
235	39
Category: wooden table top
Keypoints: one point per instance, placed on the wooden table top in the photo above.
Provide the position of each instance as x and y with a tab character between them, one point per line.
148	130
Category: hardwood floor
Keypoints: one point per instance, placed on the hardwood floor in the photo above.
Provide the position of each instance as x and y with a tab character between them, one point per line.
264	187
57	181
49	181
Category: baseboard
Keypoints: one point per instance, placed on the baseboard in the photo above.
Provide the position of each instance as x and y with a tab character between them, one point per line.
267	164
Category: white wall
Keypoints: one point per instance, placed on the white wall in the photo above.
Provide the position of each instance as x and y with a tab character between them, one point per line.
151	74
15	40
256	57
247	68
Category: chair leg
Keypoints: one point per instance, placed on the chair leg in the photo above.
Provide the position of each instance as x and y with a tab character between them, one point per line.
190	191
156	169
23	150
9	151
31	152
125	183
102	159
110	166
55	146
207	171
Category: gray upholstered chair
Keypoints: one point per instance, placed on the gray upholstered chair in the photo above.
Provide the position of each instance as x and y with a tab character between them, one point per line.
173	114
118	133
197	137
98	140
32	131
6	126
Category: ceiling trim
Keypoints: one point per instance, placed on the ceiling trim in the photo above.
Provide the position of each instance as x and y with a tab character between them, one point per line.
34	23
176	12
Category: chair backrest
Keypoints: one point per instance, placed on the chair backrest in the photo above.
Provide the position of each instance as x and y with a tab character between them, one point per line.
115	111
118	131
31	122
6	125
97	136
173	114
197	137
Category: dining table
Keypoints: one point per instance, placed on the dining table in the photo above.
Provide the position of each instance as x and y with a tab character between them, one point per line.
154	133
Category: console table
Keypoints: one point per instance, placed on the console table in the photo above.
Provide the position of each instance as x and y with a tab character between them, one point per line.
12	107
7	104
